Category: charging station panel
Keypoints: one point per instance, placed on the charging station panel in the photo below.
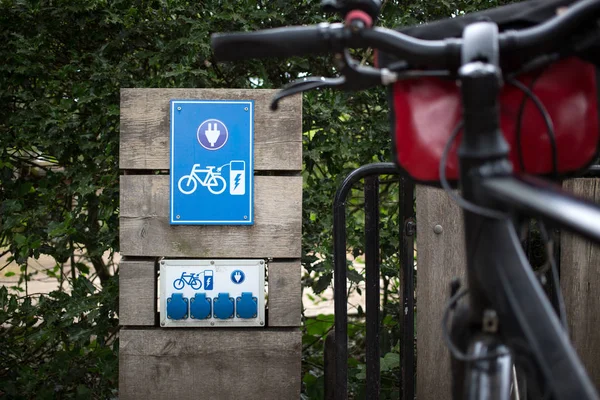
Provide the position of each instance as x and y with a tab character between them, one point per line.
212	293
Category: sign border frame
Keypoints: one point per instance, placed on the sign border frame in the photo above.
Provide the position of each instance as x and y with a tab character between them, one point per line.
172	219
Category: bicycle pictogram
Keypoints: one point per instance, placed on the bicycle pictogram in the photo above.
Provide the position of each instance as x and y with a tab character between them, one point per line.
213	180
191	279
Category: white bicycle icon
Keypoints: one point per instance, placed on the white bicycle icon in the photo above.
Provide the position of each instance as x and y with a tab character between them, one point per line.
212	180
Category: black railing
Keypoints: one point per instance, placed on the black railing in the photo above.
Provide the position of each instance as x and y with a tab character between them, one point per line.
336	359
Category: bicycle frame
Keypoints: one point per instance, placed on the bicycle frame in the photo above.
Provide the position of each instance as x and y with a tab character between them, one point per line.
499	276
209	174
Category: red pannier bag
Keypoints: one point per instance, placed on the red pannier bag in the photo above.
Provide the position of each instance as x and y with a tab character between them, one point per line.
424	112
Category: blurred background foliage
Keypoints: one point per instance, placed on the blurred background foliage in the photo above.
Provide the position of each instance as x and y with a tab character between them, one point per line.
63	64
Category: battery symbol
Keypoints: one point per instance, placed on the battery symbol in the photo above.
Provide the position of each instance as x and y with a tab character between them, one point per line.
237	177
208	280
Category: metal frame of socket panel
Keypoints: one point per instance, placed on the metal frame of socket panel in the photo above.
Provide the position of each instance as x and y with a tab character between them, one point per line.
259	292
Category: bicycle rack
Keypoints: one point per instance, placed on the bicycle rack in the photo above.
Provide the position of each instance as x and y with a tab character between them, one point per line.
336	344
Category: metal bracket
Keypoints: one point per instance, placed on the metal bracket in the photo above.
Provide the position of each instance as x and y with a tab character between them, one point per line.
490	321
410	227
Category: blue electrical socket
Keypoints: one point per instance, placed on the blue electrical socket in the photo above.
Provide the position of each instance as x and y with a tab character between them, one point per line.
223	306
177	306
246	306
200	306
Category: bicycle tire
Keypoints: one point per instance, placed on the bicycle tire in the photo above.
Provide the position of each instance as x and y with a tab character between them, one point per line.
189	178
214	179
196	284
179	285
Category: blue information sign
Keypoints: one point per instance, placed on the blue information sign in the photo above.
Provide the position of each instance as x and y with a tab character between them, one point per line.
212	144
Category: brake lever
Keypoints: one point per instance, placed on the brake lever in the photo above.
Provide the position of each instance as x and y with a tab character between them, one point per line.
303	85
353	77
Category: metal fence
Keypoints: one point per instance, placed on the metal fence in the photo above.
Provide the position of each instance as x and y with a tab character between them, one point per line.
336	345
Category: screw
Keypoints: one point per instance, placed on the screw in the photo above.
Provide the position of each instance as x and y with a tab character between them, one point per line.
238	299
438	229
192	317
261	262
238	315
178	108
212	263
245	217
262	323
178	216
245	108
162	262
162	324
254	316
168	300
212	324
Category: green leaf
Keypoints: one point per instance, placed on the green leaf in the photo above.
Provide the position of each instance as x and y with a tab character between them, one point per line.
389	361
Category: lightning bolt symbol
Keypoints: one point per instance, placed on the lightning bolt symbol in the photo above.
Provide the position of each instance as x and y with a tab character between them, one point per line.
237	181
208	281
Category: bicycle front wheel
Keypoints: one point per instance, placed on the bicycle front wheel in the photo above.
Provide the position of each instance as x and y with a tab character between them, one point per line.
217	184
196	284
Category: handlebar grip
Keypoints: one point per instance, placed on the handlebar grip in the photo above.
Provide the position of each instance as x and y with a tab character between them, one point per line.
277	42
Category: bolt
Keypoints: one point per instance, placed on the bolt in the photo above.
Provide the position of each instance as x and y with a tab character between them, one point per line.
178	216
168	300
162	262
212	324
238	299
178	108
245	217
261	262
238	315
193	317
262	323
245	108
254	316
438	229
162	324
212	263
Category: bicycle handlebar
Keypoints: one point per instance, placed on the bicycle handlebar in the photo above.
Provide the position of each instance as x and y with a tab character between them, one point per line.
326	38
277	42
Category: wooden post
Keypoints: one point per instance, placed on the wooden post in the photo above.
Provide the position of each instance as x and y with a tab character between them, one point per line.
440	257
209	363
580	283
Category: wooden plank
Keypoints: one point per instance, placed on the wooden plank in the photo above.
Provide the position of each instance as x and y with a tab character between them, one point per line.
209	364
441	257
285	302
145	127
579	280
137	293
145	229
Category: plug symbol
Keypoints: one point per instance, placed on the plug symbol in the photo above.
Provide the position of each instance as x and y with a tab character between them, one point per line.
238	276
212	133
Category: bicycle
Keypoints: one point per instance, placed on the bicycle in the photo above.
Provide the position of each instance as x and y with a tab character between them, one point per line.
504	319
191	279
213	180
